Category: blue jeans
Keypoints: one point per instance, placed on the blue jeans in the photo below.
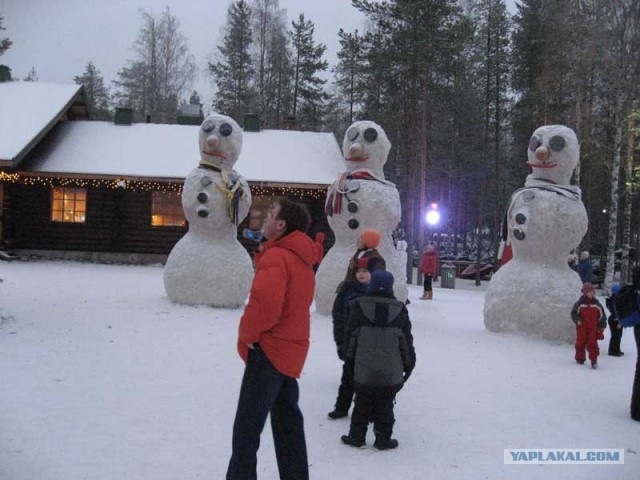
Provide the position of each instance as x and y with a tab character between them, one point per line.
265	390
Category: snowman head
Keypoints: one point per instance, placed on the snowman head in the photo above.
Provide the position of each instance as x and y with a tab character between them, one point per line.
553	154
366	145
220	141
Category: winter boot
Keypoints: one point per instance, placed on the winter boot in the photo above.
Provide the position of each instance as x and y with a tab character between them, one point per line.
337	414
430	295
385	443
353	442
425	296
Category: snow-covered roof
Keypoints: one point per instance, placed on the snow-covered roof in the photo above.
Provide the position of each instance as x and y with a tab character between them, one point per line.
27	111
171	151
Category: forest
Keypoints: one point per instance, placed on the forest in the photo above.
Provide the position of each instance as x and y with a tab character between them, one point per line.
458	86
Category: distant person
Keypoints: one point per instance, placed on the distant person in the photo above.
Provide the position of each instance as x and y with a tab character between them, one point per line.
366	247
585	267
429	268
572	261
273	341
588	315
349	291
381	356
635	394
615	327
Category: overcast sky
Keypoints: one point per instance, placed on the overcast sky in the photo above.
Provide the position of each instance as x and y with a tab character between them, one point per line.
59	37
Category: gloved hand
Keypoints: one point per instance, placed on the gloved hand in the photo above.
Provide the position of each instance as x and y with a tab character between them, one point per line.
600	335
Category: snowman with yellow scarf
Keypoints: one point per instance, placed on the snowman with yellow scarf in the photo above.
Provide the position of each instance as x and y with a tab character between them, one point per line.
208	266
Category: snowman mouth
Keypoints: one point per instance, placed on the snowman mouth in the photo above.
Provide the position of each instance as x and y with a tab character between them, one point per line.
214	154
357	159
542	165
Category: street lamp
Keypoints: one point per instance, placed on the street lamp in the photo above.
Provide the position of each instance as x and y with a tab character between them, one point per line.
433	215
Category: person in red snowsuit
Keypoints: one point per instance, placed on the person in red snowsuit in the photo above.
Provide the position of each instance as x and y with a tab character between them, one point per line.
429	268
591	321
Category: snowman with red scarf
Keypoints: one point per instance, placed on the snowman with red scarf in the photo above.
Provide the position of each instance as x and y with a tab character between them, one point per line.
533	292
208	266
359	199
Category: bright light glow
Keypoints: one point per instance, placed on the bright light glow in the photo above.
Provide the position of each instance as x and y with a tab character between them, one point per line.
433	217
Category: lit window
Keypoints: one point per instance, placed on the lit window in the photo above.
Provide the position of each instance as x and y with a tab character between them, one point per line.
69	205
166	210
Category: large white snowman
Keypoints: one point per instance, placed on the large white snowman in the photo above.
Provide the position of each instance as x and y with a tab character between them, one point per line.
208	266
360	198
533	293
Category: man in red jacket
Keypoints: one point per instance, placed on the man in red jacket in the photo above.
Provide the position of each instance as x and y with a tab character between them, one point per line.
429	268
273	340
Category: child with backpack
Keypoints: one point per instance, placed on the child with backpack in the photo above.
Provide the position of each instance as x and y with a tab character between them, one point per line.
588	315
381	356
614	325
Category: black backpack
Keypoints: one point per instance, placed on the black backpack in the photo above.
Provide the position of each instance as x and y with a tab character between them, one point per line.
626	306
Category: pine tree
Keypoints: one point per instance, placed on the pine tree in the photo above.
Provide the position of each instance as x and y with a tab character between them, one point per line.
492	52
308	92
272	62
5	43
97	95
349	71
233	72
153	83
194	99
409	56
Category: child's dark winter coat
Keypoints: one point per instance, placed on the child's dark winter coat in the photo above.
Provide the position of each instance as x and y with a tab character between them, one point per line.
614	325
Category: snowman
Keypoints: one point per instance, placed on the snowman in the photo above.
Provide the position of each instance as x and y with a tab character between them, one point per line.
208	266
360	198
533	292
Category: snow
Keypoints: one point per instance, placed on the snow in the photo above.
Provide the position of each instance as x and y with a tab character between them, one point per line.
171	151
26	108
102	378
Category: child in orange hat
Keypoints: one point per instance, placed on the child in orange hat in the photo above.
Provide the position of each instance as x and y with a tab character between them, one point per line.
366	247
590	320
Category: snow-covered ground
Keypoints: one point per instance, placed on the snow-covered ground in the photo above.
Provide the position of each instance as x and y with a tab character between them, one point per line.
101	378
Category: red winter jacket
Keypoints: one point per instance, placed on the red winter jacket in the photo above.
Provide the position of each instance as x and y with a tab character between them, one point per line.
277	315
429	265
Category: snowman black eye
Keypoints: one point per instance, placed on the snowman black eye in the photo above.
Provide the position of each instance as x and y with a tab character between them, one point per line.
534	143
225	129
557	143
208	126
370	135
352	134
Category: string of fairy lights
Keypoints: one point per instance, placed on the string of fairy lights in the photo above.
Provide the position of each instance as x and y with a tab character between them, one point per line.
151	186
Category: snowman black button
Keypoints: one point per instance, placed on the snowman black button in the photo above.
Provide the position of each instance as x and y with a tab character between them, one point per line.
521	219
203	197
519	234
353	224
204	181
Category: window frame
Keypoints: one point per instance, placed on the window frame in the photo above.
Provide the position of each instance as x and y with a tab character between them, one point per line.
164	209
67	211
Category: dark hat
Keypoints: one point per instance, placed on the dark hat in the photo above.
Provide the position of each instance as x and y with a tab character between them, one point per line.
381	283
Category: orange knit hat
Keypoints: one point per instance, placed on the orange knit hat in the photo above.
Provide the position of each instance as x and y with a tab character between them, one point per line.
370	238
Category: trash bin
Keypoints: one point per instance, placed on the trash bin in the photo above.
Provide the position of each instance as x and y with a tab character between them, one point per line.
448	273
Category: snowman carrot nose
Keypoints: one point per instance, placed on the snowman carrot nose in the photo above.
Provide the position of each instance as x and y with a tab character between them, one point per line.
542	153
355	150
213	141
